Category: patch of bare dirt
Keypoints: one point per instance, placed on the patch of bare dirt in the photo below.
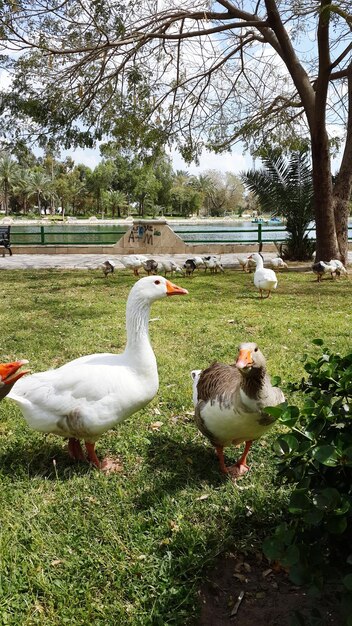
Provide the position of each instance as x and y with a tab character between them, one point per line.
247	591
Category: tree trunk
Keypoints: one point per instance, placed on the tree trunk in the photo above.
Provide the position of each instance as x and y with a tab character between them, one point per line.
343	183
6	197
342	194
326	240
141	204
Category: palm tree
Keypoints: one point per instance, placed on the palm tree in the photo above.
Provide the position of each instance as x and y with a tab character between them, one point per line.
118	202
41	186
8	171
181	178
23	188
205	185
285	187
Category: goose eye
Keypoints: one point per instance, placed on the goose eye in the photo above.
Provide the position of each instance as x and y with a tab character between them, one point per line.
255	349
157	282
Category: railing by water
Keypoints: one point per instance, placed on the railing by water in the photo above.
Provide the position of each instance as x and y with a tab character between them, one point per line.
47	235
258	233
93	235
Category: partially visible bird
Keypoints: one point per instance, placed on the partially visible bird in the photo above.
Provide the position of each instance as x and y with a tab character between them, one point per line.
246	263
90	395
9	374
168	265
229	403
133	262
189	266
264	279
150	266
278	263
195	377
108	267
339	267
320	268
199	261
213	264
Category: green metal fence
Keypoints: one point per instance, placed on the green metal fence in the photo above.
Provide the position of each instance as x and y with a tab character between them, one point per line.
47	235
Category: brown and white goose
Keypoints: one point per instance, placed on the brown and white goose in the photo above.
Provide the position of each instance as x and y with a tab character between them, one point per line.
229	402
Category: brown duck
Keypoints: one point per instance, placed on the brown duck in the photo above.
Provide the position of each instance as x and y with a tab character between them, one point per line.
229	402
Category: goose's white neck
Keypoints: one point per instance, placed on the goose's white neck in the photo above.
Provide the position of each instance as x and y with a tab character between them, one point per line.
259	262
137	322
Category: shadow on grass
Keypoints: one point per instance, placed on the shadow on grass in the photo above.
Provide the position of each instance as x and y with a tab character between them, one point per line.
40	459
175	465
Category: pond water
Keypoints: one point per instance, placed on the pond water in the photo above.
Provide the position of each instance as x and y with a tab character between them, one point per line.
244	231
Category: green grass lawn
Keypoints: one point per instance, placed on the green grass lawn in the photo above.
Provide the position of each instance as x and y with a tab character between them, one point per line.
80	547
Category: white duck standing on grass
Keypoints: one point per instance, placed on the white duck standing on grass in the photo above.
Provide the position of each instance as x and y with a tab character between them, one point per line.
278	263
339	268
229	402
168	265
264	279
320	268
199	262
335	268
133	262
245	263
90	395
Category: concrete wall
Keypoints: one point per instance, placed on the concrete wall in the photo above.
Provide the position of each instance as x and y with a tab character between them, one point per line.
153	237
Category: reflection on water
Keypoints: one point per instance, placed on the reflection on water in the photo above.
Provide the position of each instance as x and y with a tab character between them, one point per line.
223	231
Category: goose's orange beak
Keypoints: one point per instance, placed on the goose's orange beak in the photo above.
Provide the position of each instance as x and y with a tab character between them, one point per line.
8	375
244	359
174	290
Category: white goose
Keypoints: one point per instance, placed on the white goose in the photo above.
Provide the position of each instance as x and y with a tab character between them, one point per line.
278	263
168	265
246	263
133	262
339	267
264	279
229	402
86	397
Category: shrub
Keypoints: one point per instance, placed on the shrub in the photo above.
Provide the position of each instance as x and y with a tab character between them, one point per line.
315	456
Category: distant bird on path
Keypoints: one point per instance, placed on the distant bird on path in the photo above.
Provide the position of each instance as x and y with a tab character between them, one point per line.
108	267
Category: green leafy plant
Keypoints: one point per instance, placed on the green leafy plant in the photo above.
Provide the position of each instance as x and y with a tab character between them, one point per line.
315	540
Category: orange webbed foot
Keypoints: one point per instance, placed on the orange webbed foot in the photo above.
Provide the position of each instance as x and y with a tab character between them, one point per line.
237	470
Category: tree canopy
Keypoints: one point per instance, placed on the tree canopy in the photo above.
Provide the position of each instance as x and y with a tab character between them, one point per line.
116	187
210	75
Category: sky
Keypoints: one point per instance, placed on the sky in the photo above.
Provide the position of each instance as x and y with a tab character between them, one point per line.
235	161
